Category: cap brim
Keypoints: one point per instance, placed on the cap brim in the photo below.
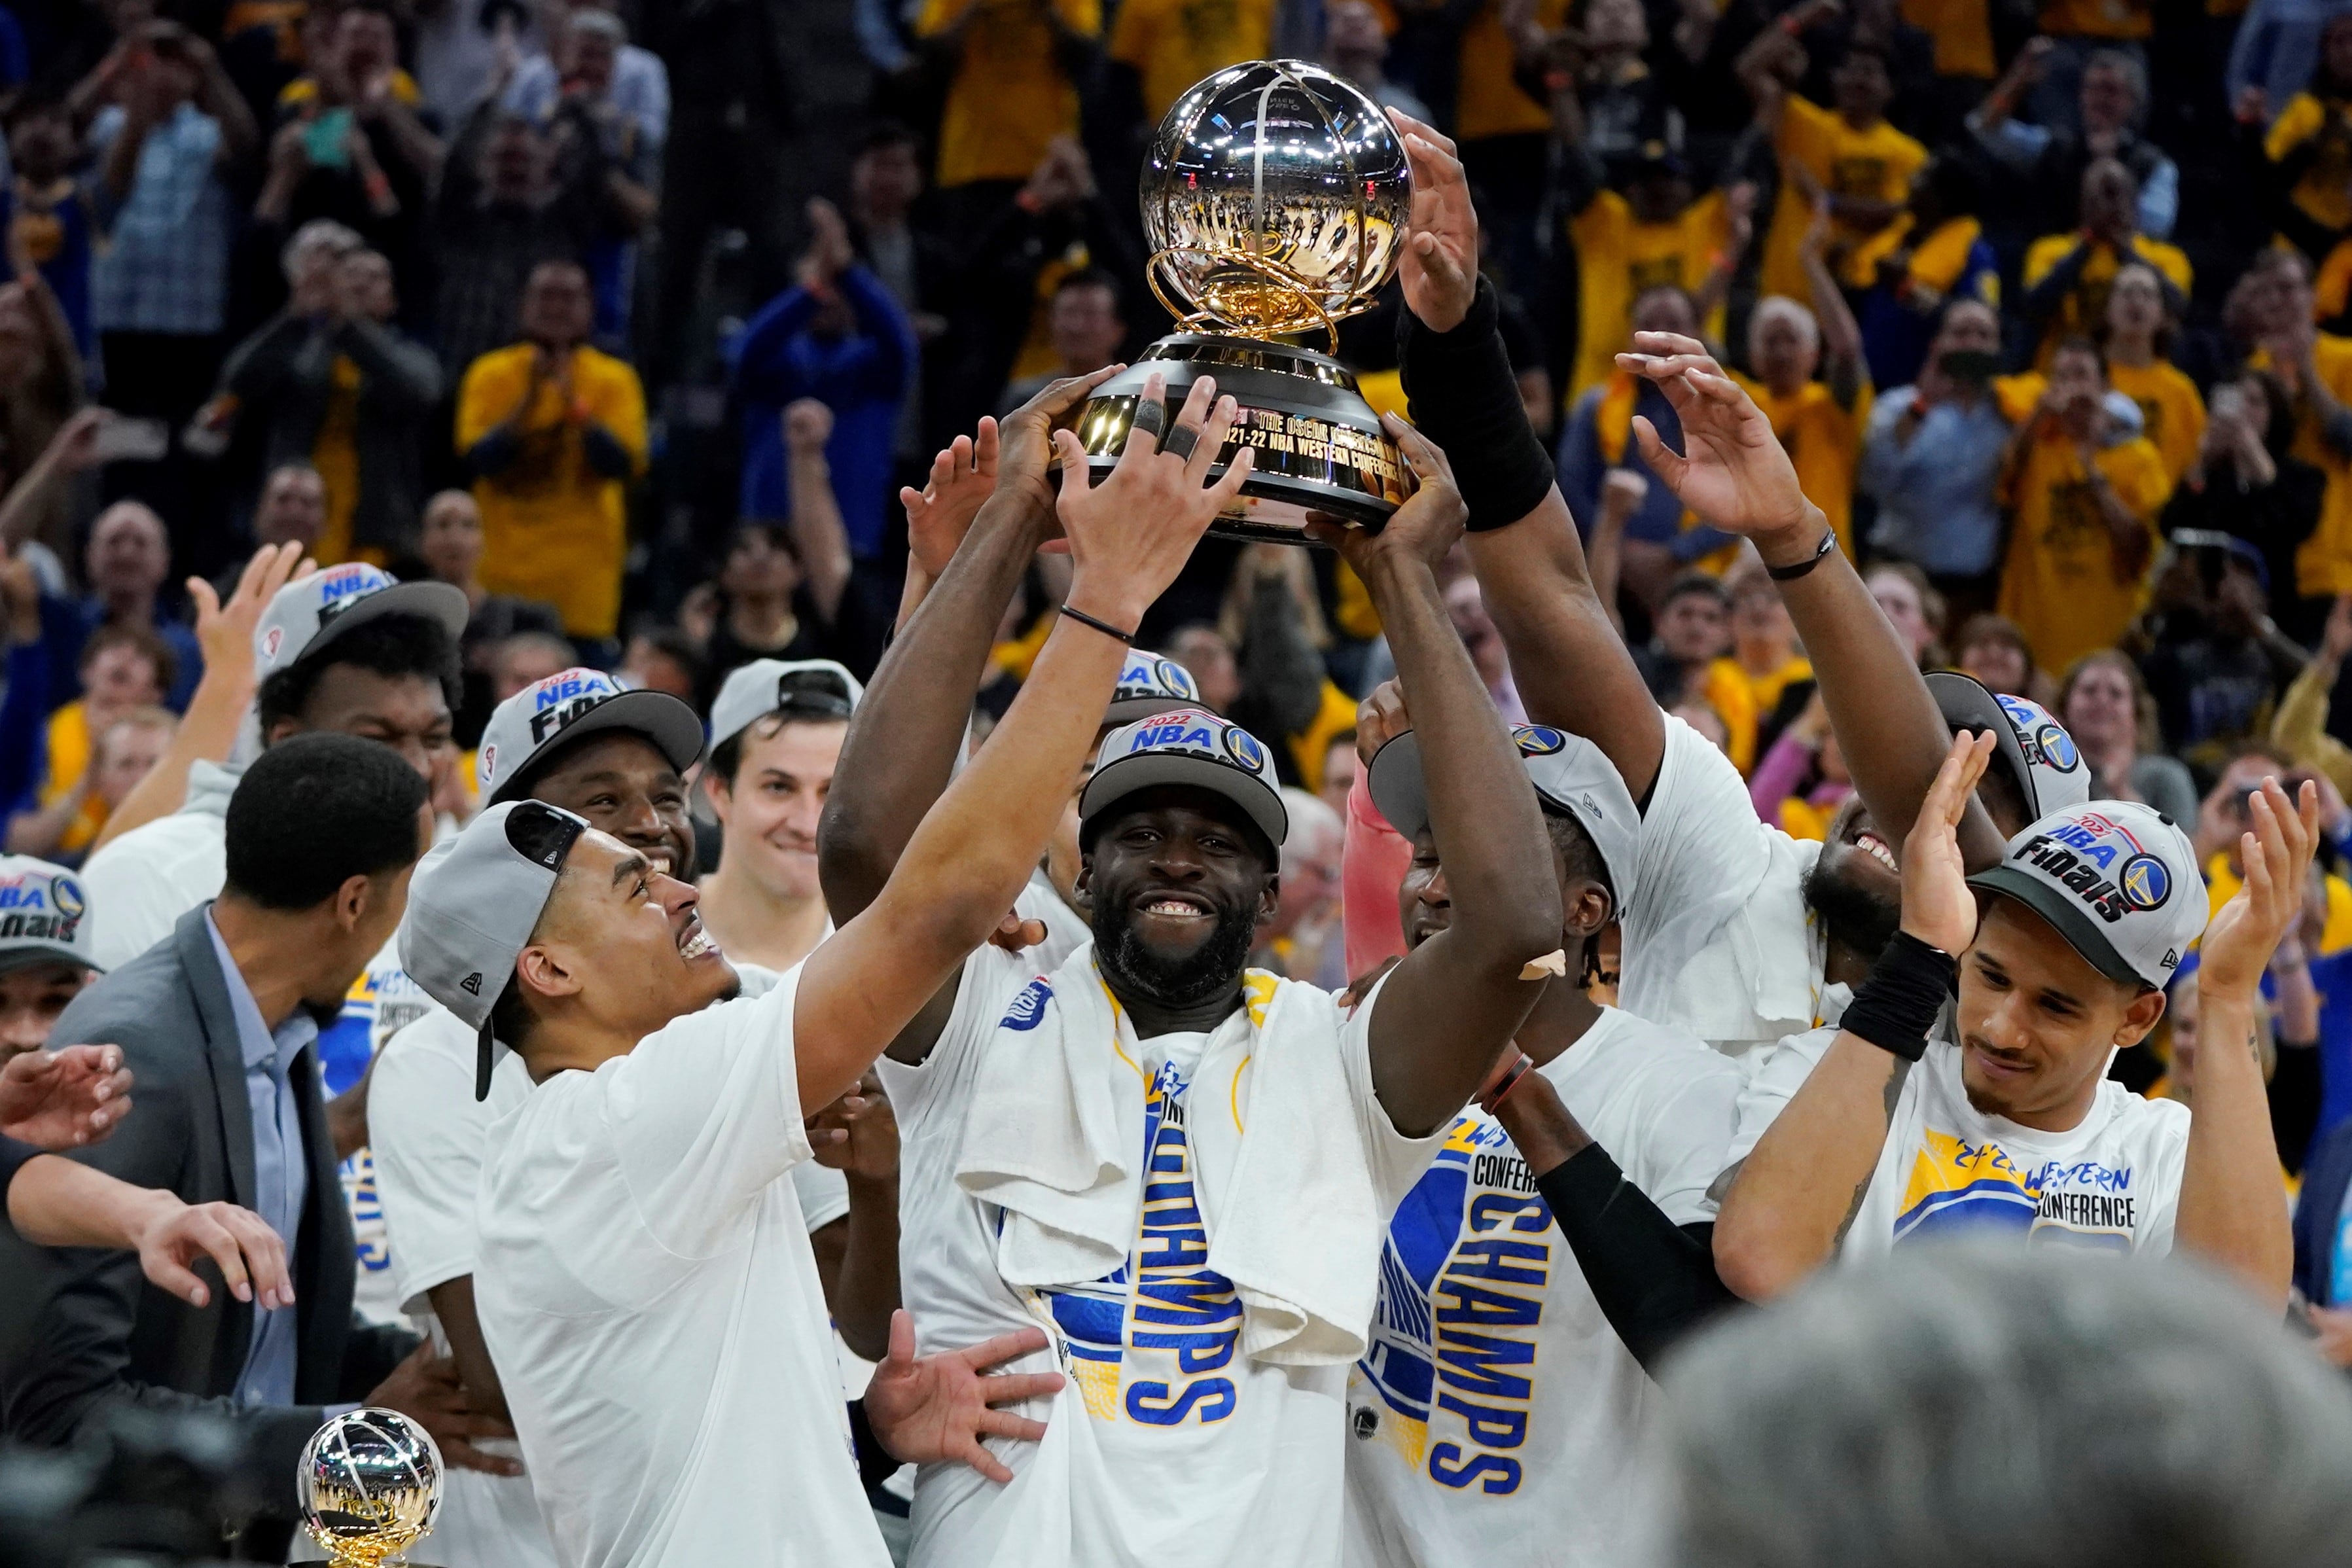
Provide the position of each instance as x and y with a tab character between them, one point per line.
2064	916
1966	704
25	956
1396	787
1141	771
441	602
1127	710
672	726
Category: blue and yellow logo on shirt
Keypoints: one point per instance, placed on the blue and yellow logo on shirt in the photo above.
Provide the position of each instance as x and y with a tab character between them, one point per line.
1959	1187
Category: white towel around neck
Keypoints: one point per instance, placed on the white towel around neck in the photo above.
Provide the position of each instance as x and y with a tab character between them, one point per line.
1054	1137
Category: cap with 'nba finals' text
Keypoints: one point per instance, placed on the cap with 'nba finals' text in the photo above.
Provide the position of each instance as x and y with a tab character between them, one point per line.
43	918
800	688
2033	748
570	706
472	906
303	618
1187	746
1571	775
1148	685
2117	879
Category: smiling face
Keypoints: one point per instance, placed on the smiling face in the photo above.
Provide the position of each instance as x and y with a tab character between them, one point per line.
2037	1023
31	997
1176	883
620	947
626	788
772	806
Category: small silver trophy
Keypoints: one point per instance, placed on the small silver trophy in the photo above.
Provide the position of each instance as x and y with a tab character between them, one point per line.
369	1485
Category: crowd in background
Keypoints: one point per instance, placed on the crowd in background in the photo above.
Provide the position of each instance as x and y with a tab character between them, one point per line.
630	322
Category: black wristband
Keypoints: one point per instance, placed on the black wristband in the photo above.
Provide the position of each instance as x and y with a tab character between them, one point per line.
1898	1004
874	1464
1462	394
1105	627
1821	552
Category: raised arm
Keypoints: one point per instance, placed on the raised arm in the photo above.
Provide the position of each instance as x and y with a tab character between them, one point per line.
2232	1212
1571	668
910	726
1456	1000
1798	1191
1734	473
966	863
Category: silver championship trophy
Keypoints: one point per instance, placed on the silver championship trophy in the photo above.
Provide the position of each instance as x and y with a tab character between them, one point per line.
369	1486
1275	196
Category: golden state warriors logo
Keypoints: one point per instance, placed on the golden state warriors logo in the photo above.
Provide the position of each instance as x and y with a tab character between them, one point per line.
2057	747
1538	740
64	897
2146	882
1242	747
1176	678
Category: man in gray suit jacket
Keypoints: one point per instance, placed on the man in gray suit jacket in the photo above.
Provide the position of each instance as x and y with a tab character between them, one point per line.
218	1024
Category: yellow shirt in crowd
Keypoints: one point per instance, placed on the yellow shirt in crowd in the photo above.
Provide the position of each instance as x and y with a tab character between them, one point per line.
2321	191
69	749
1492	103
2084	308
1009	97
1743	701
2097	19
2171	411
552	528
2059	583
1174	43
2323	565
1875	165
1963	33
1618	256
2222	885
1824	442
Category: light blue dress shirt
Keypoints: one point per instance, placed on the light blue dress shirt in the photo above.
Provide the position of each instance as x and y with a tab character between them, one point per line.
1936	506
281	1168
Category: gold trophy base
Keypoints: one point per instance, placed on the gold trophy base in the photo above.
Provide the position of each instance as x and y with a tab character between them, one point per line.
1318	448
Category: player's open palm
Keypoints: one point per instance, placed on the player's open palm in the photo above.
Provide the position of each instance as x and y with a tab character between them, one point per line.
1937	906
1130	534
1437	266
2275	850
1732	469
938	515
937	1409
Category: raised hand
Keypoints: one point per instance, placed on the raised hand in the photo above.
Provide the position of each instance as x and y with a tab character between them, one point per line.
1427	526
938	1409
224	631
64	1099
250	1256
1732	470
808	425
1379	719
1130	534
1937	906
963	475
2275	850
1438	264
1026	437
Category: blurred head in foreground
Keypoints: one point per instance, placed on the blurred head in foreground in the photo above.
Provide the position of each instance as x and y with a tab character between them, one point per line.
2042	1409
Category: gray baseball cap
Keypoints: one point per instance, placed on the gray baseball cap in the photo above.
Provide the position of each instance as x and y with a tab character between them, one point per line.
309	614
43	915
1188	746
569	706
2117	879
805	687
1572	776
2029	741
1148	685
472	906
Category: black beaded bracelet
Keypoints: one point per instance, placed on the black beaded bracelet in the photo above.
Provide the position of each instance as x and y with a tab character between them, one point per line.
1898	1004
1790	573
1105	627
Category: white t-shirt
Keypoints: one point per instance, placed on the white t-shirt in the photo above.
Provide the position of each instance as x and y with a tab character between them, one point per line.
1498	1417
1179	1450
646	1287
1947	1169
142	883
428	1134
1718	942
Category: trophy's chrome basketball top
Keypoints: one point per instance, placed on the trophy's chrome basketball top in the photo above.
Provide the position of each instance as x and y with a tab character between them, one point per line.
1274	195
